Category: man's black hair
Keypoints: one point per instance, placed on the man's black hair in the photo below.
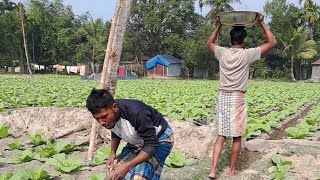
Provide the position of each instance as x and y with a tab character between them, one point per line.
238	34
98	99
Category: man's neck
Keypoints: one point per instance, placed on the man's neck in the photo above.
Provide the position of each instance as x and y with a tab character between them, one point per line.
118	115
237	46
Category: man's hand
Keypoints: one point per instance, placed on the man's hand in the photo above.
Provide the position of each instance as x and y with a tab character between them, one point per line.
260	17
120	171
271	40
214	35
218	22
110	162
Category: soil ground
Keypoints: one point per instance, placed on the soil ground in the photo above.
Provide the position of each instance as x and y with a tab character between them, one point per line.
194	141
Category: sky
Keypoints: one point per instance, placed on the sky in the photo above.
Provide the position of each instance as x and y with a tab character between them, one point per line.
105	8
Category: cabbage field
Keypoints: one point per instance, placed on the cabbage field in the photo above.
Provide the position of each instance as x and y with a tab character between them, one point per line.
277	109
269	102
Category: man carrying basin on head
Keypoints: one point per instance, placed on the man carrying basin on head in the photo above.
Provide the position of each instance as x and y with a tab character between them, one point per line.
148	134
231	107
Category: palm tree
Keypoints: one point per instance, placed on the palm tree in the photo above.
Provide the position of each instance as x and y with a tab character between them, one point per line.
218	6
24	37
306	2
6	5
311	14
297	46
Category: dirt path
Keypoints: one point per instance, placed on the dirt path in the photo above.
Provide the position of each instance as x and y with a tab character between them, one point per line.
292	121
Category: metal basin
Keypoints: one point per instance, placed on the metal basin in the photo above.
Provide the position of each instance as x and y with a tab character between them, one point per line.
238	18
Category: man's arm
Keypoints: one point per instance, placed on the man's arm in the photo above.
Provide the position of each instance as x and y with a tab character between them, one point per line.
214	36
144	126
141	157
271	40
120	170
147	132
115	141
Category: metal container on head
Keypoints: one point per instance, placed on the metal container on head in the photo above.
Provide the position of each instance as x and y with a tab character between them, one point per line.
238	18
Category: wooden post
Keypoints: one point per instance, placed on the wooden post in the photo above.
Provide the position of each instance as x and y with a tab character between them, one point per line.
115	54
110	42
103	76
112	58
22	16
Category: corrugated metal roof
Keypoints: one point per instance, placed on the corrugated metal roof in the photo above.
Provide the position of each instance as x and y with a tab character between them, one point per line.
171	59
164	60
316	62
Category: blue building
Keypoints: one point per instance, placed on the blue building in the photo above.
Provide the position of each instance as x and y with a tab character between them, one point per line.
163	66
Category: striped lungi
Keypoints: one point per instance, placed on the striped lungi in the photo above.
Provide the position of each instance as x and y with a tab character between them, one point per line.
151	169
231	115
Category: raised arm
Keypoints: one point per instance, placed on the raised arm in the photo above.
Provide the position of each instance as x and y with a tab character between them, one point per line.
214	36
271	40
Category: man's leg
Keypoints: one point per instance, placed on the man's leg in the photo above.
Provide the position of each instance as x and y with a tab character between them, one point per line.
218	145
236	146
152	169
160	156
143	171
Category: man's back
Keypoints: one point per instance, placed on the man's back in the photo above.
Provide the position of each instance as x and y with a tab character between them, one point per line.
231	106
234	66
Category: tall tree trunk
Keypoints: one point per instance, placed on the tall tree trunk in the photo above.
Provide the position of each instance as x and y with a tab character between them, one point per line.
300	70
21	13
115	54
110	42
93	62
120	5
305	70
292	70
311	32
33	52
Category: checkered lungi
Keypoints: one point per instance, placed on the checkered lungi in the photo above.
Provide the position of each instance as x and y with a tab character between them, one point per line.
151	169
231	115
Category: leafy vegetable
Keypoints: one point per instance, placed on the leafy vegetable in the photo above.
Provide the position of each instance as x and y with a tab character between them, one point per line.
101	176
103	154
282	166
51	149
40	174
28	174
6	176
64	147
9	161
25	156
3	131
37	139
46	152
298	133
177	160
99	159
64	165
15	145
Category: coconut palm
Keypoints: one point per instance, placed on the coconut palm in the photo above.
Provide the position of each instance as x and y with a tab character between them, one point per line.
217	6
311	14
297	46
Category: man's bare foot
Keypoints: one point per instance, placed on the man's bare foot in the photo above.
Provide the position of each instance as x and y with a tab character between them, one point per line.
232	173
212	175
